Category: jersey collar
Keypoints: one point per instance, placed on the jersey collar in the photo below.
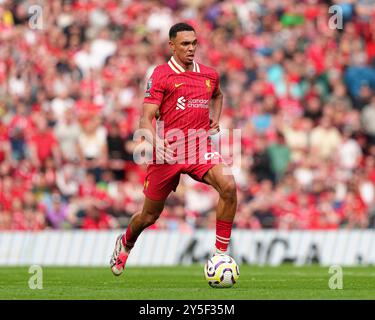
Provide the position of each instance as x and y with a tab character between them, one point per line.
178	68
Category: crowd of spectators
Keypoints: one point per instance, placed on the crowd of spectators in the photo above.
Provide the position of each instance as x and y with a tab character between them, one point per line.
299	86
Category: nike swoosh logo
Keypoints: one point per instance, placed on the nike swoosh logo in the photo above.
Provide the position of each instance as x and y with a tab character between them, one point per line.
178	85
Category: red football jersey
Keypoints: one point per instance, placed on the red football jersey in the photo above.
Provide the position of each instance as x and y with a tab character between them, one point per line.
184	98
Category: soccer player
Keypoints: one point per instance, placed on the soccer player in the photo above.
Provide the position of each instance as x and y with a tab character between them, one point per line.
181	93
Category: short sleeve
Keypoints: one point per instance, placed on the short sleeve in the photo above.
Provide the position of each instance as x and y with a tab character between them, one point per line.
155	88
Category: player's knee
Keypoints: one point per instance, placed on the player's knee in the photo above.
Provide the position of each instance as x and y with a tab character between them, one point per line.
229	190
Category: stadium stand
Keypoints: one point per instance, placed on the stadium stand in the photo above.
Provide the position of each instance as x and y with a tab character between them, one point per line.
302	94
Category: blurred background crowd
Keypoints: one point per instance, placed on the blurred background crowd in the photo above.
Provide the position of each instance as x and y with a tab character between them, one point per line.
300	90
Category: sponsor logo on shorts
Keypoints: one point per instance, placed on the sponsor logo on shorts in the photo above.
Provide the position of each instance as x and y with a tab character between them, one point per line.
212	155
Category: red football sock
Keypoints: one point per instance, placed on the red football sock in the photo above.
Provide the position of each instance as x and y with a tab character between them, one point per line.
223	231
128	240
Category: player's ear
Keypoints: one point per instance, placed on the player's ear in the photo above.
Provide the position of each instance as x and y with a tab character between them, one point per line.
172	46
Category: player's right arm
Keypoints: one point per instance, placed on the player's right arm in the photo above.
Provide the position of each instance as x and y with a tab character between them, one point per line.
153	99
162	147
149	111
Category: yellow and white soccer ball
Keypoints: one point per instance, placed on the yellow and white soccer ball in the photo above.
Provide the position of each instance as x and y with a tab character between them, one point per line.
221	271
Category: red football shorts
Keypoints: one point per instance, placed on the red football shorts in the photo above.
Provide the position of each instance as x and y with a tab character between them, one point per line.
161	179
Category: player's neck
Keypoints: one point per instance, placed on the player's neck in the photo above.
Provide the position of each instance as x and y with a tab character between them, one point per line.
189	67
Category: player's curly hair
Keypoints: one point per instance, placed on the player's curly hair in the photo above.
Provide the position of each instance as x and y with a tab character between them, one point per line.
181	26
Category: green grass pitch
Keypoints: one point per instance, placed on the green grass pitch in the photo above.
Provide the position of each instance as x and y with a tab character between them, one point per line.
186	282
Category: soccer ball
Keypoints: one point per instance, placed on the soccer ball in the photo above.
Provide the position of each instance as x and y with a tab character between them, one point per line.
221	271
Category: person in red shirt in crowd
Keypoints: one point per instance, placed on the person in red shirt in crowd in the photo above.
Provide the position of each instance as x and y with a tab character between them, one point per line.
43	144
97	219
5	147
353	211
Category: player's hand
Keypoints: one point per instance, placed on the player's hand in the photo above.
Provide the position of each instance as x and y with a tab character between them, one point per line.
164	151
214	127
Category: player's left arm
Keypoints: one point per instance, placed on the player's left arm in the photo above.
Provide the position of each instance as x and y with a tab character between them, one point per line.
216	106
